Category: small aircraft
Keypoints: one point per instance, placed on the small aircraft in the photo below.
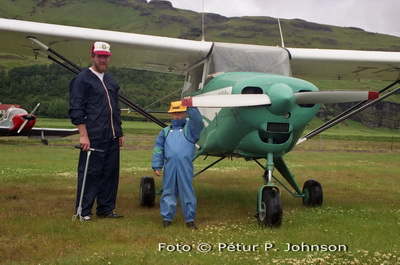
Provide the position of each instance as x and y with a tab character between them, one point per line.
18	122
252	102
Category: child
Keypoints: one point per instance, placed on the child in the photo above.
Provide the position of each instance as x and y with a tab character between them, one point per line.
175	146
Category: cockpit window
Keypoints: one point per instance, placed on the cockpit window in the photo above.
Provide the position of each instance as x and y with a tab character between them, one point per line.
14	111
196	78
228	57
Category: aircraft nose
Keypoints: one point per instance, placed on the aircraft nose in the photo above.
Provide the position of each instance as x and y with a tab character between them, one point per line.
282	98
29	117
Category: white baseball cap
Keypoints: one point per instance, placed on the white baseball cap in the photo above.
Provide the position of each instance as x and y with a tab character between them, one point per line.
101	48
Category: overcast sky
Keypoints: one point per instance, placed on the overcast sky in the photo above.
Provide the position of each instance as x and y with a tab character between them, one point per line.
371	15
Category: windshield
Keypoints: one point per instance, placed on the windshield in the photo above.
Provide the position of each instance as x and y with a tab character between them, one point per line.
227	57
14	111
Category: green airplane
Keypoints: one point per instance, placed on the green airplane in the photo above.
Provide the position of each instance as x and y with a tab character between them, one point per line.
253	104
257	116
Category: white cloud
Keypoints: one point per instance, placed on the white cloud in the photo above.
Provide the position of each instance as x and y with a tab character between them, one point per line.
371	15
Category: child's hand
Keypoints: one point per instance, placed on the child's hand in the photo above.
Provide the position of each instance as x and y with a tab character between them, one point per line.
157	172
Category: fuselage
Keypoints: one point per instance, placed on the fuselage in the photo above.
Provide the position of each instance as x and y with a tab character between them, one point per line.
253	132
15	117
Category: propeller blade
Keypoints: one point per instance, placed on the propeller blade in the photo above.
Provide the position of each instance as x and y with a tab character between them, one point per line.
35	109
27	119
323	97
22	126
221	101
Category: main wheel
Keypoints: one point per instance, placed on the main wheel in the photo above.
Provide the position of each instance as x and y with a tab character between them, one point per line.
272	205
313	194
147	192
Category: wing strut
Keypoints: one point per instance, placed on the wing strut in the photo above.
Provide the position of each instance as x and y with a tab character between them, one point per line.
53	52
350	112
124	99
76	69
37	51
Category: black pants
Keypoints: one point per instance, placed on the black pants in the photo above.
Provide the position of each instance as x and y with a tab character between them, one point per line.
102	178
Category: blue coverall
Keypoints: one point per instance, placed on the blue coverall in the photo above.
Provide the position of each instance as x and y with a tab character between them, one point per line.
93	105
176	149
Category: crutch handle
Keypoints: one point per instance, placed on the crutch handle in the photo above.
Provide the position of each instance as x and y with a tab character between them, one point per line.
91	149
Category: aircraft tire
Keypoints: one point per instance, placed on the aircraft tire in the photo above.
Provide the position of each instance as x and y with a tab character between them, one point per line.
312	190
271	203
147	192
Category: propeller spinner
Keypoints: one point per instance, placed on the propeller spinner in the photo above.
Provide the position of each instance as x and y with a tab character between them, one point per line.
28	118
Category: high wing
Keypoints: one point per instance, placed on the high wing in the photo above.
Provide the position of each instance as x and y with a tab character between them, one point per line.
129	50
344	64
177	55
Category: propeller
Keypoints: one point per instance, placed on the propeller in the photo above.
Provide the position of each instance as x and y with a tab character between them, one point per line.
350	112
324	97
27	118
233	100
307	97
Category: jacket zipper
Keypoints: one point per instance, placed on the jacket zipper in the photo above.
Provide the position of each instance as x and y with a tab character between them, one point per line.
111	110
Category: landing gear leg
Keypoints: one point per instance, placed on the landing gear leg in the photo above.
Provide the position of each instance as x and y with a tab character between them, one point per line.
269	205
44	140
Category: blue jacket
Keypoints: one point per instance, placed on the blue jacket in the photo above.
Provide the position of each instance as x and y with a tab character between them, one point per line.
191	131
91	104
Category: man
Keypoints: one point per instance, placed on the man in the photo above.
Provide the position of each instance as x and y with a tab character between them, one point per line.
175	146
94	109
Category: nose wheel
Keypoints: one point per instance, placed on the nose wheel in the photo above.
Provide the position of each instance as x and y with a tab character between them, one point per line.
269	204
269	208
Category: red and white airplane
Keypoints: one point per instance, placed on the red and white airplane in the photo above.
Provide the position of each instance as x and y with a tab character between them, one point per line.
18	122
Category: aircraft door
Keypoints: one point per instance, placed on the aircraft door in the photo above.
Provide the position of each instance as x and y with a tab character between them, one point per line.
196	78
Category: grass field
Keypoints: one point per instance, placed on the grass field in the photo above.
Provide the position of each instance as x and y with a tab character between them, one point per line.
357	224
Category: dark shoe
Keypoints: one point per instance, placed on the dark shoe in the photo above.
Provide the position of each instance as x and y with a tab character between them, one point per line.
166	223
111	215
191	225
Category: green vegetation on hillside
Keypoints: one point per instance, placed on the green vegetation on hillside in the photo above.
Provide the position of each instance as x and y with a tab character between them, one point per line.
160	18
49	85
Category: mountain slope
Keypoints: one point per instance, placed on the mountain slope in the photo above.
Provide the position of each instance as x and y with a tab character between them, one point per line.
161	18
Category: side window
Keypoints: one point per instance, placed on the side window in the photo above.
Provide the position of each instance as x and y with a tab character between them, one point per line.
195	77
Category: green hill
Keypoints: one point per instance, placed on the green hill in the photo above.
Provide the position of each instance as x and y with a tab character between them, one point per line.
161	18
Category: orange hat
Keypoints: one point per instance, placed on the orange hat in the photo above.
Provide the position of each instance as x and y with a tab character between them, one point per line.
176	106
101	48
